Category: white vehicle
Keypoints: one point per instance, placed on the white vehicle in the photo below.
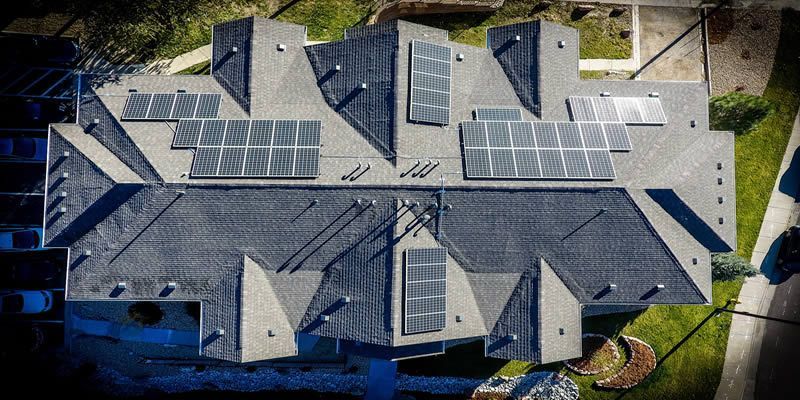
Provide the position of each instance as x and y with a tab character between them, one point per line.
26	302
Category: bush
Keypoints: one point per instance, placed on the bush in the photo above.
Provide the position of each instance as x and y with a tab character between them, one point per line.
737	112
145	313
729	266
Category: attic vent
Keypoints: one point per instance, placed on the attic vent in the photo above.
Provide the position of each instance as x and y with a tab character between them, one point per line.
517	38
459	318
363	85
66	154
561	44
693	123
605	94
122	286
62	210
219	332
373	203
721	220
62	194
65	175
234	49
270	333
694	260
172	285
459	56
132	90
719	165
337	67
88	253
659	287
720	199
561	331
653	94
281	47
345	299
181	90
96	121
612	287
720	181
512	337
324	318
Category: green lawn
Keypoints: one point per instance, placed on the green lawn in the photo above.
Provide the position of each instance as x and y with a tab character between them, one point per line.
692	372
600	34
204	68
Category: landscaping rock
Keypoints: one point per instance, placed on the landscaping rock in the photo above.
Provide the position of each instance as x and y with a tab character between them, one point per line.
641	362
538	386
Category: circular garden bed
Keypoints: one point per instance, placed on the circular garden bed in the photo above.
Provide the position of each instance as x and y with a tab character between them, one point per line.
599	355
641	362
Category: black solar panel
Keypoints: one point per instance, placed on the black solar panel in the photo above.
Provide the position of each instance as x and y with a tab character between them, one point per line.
171	106
430	83
425	290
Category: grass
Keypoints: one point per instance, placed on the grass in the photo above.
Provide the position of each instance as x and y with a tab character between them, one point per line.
692	372
606	75
600	34
203	68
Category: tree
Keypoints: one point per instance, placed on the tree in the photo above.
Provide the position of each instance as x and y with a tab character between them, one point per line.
729	266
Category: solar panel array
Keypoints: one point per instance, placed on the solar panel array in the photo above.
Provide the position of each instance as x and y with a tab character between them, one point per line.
430	82
252	148
629	110
545	150
498	114
171	106
426	289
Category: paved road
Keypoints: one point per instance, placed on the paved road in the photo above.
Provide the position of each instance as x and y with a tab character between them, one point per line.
780	349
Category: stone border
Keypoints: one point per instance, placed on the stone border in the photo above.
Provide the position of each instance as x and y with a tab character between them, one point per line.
626	340
615	357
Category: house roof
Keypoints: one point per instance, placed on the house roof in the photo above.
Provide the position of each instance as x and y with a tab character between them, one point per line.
279	255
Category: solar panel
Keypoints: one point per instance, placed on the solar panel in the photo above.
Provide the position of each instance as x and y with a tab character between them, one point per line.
498	114
617	137
425	290
252	148
538	149
171	106
430	83
628	110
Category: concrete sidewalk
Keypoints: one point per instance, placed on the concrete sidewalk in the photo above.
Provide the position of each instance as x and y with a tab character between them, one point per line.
744	340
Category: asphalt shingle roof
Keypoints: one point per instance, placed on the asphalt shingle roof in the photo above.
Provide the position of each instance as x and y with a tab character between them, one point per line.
281	254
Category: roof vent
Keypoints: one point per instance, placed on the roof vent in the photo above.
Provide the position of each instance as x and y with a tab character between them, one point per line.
132	90
517	38
605	94
270	333
694	260
62	210
512	337
561	44
337	67
373	203
62	194
281	47
65	175
234	49
122	286
171	285
659	287
181	90
88	253
324	318
612	287
721	220
96	121
653	94
219	332
66	154
561	331
721	199
459	56
720	181
426	218
360	202
345	299
459	318
693	123
363	85
719	165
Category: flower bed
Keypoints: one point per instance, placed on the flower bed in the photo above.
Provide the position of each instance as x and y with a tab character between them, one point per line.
599	355
641	362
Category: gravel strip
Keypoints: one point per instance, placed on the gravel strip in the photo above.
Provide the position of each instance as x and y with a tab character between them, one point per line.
537	385
742	46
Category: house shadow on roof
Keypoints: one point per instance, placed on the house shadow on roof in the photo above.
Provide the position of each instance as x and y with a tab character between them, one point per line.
675	207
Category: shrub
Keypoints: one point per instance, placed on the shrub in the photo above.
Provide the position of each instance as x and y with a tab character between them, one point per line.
737	112
145	313
729	266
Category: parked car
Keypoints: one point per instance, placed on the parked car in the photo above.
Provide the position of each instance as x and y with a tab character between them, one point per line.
26	273
789	252
26	301
29	114
38	50
25	148
21	239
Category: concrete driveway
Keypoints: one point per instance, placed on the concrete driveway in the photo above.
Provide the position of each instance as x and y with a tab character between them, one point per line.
659	28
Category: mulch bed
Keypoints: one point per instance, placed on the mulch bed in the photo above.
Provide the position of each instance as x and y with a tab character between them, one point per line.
599	355
641	362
